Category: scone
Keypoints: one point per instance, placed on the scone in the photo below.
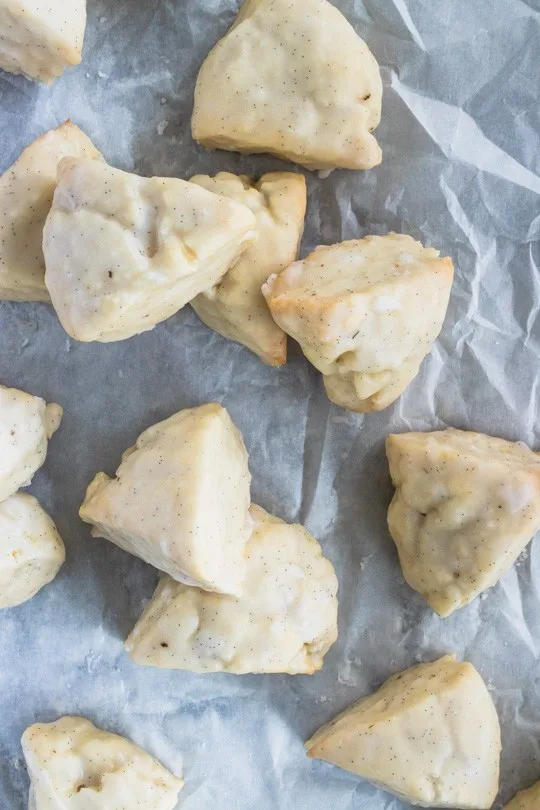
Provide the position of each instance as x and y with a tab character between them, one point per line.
235	307
26	425
465	507
526	799
293	79
365	312
41	38
284	621
75	766
26	195
180	499
429	735
123	252
31	550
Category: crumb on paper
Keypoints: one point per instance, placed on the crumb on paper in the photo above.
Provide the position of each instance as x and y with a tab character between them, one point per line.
364	561
162	126
102	75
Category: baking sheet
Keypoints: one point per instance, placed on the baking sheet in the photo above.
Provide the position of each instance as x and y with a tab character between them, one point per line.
461	162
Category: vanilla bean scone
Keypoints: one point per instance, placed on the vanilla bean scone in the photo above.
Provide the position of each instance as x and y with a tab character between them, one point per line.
26	425
293	79
31	550
235	306
430	735
123	252
528	799
285	619
41	38
75	766
180	499
365	312
465	507
26	195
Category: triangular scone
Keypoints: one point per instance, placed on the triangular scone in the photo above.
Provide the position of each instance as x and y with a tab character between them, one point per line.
180	499
31	550
75	766
526	799
465	507
124	252
429	735
284	621
294	79
41	38
26	425
235	307
365	312
26	195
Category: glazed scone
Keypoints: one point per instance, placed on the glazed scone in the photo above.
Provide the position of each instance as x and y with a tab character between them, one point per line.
465	507
180	499
365	312
26	195
235	307
293	79
41	38
123	252
26	425
429	735
31	550
75	766
284	621
526	799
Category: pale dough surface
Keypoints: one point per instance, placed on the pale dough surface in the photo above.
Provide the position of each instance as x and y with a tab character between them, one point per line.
124	252
365	312
235	307
294	79
26	195
180	499
284	621
31	550
26	425
40	38
429	735
465	507
528	799
75	766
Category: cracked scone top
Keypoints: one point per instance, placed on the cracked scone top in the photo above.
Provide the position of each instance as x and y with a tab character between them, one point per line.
465	507
235	307
429	735
40	38
293	79
123	252
26	195
31	550
284	621
528	799
26	425
180	499
75	766
365	312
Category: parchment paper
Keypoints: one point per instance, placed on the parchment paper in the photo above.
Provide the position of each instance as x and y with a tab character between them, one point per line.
461	162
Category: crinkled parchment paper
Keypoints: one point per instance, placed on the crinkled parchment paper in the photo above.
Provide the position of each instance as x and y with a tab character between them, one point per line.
459	133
